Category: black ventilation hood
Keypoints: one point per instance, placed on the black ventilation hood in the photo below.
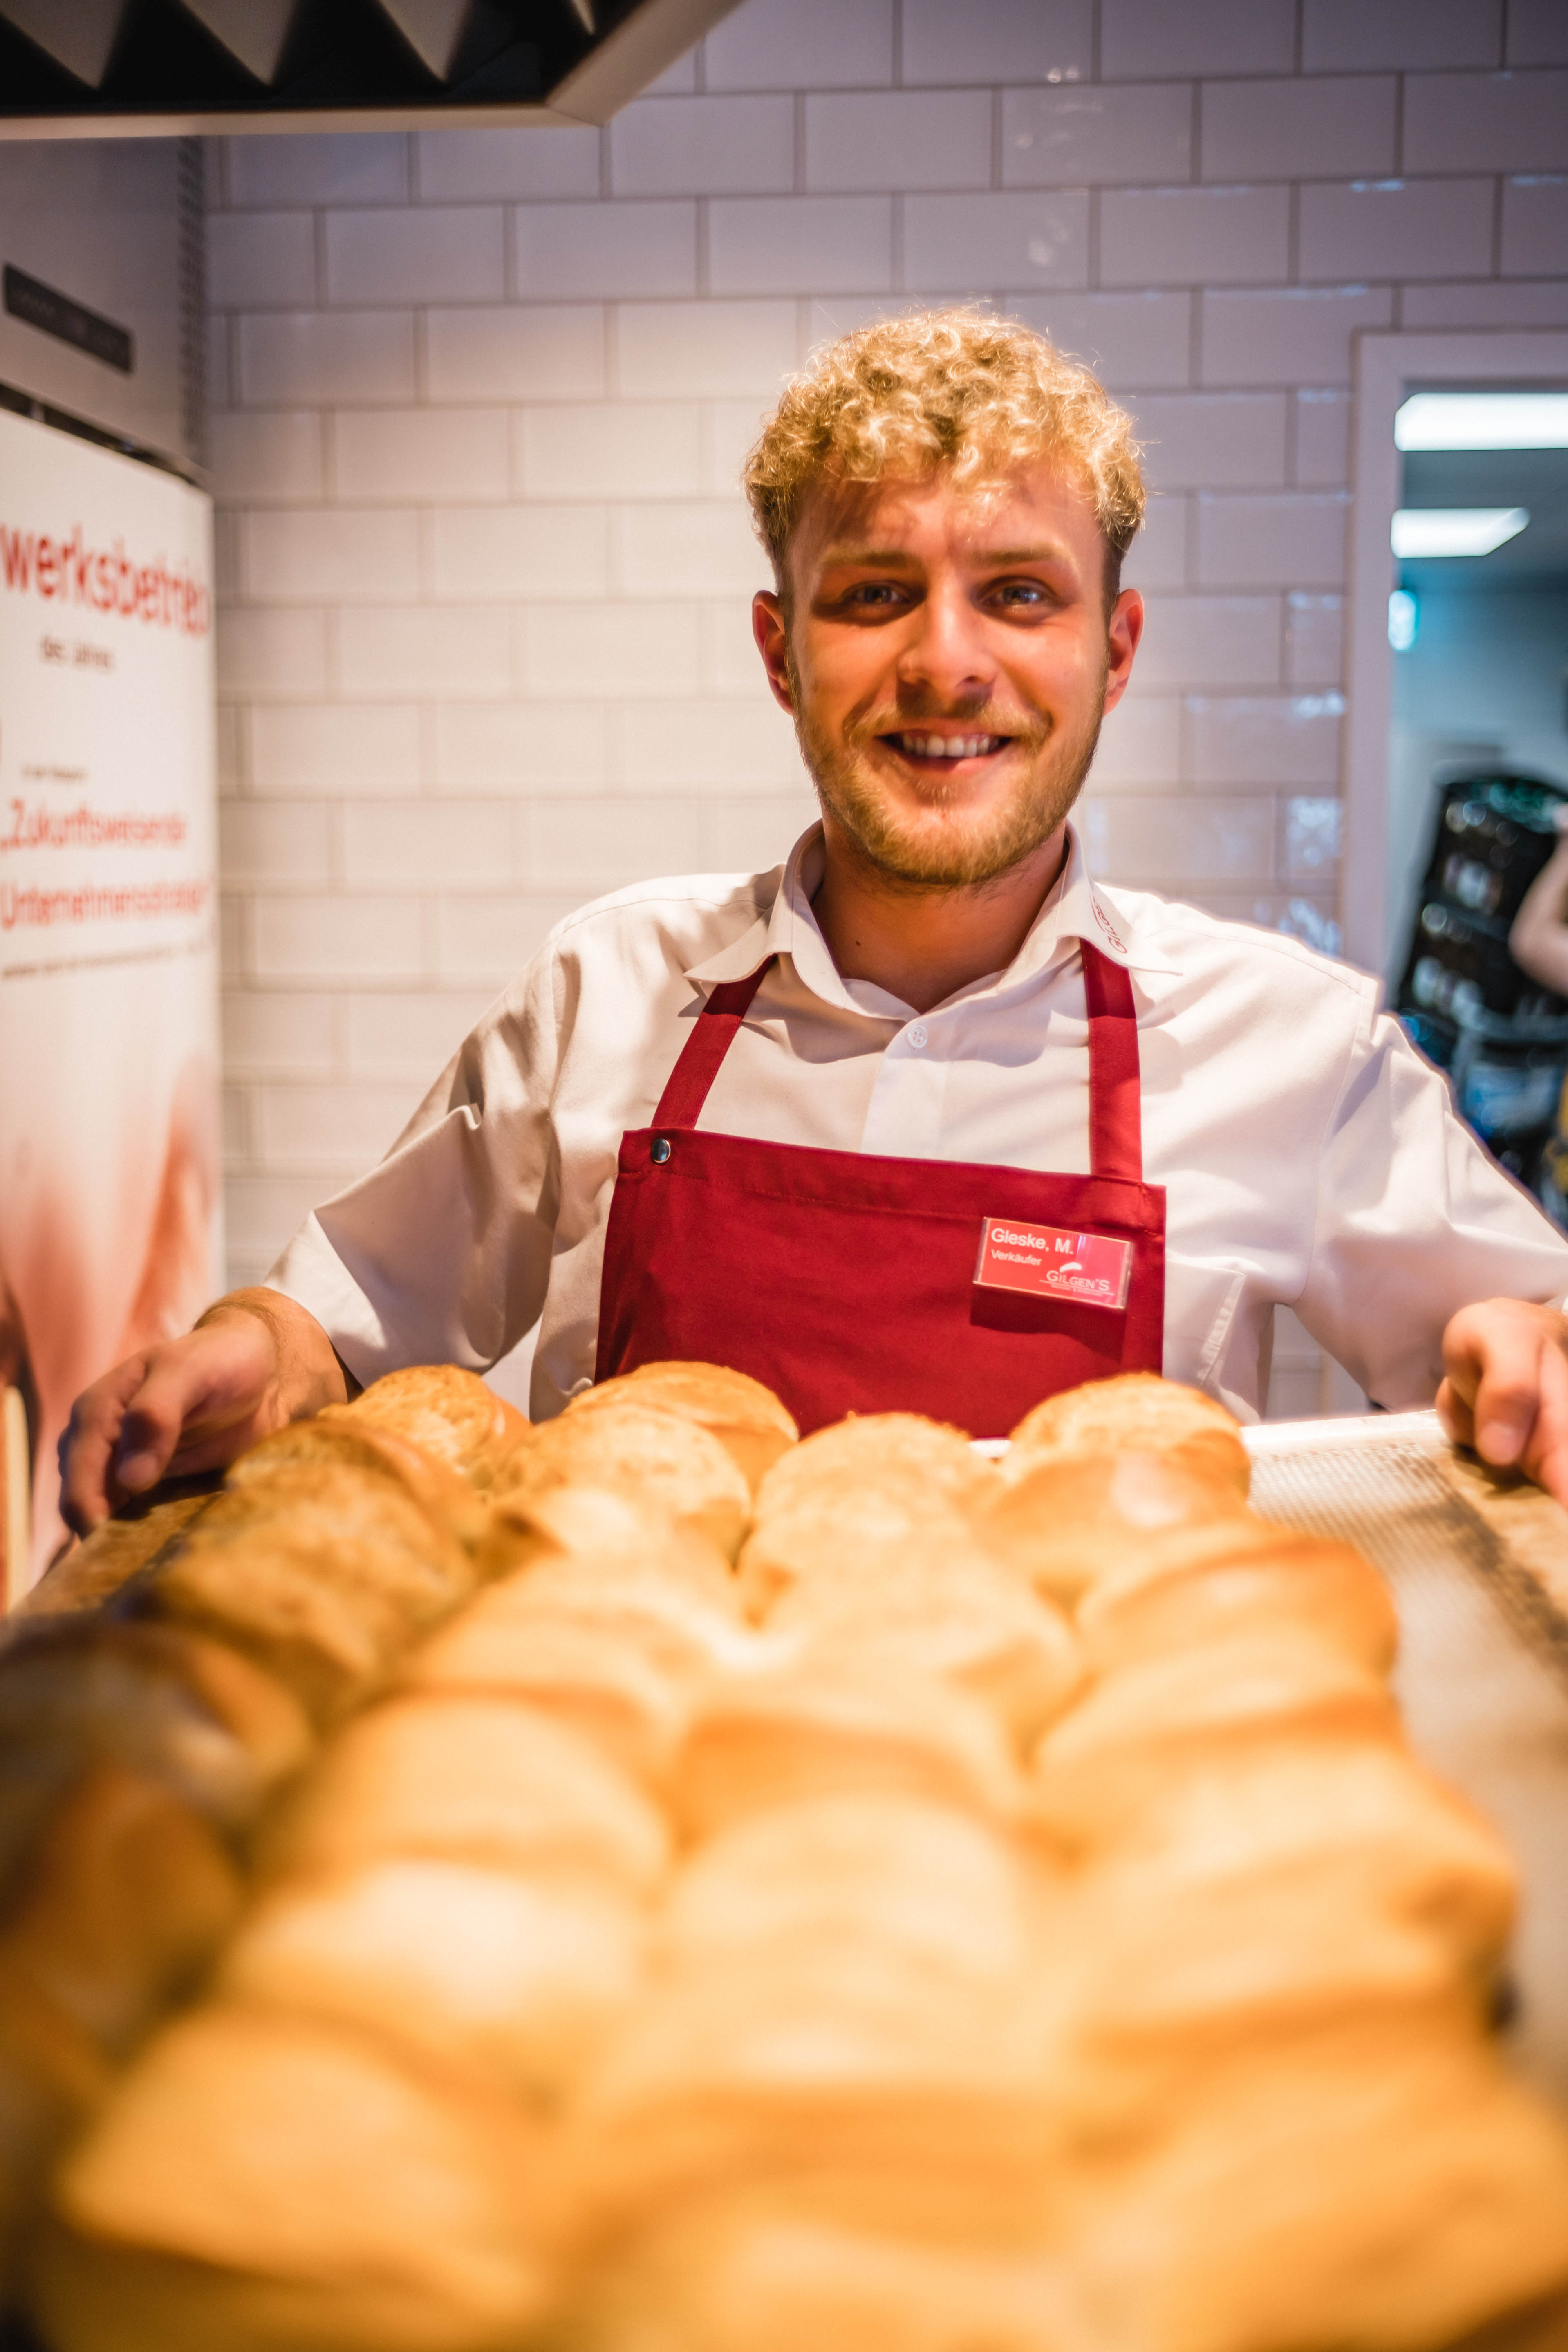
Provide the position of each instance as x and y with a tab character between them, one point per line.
106	68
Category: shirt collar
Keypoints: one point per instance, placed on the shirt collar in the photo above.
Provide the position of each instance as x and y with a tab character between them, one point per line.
1078	908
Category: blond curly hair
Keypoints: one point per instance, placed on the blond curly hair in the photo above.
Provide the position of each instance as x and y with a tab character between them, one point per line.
953	387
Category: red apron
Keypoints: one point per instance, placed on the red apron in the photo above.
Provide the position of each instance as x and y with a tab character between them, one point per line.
846	1280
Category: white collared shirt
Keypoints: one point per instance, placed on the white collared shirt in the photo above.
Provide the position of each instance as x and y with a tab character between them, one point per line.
1311	1157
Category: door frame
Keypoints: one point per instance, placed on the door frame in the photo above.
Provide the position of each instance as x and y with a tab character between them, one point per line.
1387	367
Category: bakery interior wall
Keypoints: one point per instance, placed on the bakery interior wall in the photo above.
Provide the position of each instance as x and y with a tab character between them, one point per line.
479	400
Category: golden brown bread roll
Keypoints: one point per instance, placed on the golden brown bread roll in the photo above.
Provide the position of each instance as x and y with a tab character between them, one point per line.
894	1449
953	1891
640	1451
944	1613
775	1737
117	1907
1067	1521
106	1560
52	2075
586	1674
684	1625
127	1897
157	1700
1110	1756
773	2267
747	1418
1197	1586
464	1777
1393	1841
339	1437
514	1979
272	2184
851	2054
612	1534
1361	2185
322	1574
446	1411
843	1526
1135	1411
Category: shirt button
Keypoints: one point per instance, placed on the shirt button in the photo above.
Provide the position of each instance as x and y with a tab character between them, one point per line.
916	1032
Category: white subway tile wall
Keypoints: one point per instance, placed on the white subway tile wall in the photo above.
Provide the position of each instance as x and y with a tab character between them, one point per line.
481	398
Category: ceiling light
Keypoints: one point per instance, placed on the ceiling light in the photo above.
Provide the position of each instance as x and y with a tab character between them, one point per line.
1454	530
1483	420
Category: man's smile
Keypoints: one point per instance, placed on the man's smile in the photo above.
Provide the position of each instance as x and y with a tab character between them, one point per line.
939	754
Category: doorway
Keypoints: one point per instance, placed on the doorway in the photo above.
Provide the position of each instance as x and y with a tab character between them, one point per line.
1464	676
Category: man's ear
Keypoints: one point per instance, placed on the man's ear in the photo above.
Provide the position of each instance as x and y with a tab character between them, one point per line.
772	633
1122	633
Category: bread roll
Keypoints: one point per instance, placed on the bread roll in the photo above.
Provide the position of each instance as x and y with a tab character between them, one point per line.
612	1535
1394	1842
1135	1411
1196	1587
461	1777
843	1525
446	1411
636	1450
339	1437
1109	1757
106	1560
774	2268
844	2054
128	1896
583	1674
512	1980
747	1418
947	1613
273	2184
1066	1522
154	1699
896	1448
1170	1970
1362	2186
774	1738
52	2075
322	1574
683	1626
955	1893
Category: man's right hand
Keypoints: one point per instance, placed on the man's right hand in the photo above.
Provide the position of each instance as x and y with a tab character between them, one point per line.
254	1361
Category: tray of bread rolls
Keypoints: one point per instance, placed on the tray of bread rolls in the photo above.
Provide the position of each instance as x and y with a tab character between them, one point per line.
649	1883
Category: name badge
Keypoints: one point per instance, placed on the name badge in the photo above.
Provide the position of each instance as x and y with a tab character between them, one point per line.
1091	1269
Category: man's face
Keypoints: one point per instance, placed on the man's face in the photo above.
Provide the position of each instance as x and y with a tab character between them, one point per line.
947	659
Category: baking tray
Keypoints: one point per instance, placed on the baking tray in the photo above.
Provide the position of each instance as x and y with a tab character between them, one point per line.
1477	1563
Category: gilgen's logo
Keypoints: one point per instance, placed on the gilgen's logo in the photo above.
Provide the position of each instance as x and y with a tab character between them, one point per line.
70	571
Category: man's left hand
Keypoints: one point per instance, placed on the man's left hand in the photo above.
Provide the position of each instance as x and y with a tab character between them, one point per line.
1507	1388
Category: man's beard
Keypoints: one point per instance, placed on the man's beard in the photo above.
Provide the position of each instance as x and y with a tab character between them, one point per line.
980	843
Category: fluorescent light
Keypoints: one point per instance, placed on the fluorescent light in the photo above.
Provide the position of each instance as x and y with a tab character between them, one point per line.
1404	620
1454	530
1483	420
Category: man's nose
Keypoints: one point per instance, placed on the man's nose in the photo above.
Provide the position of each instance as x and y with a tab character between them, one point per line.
946	653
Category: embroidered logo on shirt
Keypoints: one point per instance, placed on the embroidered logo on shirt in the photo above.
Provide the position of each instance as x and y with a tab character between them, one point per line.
1107	926
1092	1269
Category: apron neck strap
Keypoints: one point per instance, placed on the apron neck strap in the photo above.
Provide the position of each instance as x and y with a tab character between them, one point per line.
697	1066
1115	1106
1115	1098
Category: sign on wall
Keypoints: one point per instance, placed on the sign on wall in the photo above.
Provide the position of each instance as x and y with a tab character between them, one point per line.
109	1057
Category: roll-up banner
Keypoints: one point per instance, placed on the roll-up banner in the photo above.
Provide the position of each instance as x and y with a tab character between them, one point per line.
109	1203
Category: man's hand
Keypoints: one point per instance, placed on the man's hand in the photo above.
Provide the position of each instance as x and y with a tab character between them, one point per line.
1507	1388
254	1361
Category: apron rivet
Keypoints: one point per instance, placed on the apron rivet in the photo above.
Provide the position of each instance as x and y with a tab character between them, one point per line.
660	1150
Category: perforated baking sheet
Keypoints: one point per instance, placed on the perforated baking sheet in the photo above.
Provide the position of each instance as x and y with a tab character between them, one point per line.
1478	1568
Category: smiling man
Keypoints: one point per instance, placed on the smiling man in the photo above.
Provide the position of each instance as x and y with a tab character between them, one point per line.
926	1118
